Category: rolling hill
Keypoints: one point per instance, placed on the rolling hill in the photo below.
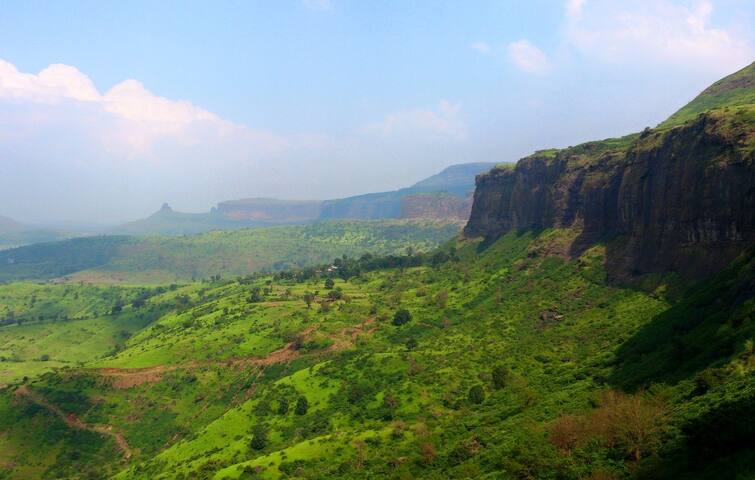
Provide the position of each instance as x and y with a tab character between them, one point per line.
15	234
453	185
165	259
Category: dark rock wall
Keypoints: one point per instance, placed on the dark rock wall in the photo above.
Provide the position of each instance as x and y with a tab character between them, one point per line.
679	200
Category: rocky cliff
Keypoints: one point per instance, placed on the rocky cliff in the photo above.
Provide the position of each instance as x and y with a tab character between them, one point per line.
270	210
676	198
436	205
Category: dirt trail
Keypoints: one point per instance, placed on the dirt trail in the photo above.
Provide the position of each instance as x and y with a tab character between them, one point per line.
131	377
73	421
348	337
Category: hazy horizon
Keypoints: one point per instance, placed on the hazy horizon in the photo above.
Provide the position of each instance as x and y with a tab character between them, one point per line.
106	112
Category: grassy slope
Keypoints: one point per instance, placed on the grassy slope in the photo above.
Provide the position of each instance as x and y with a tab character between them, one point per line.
561	333
52	326
121	259
735	90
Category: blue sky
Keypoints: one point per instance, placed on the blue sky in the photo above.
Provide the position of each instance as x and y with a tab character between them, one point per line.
197	102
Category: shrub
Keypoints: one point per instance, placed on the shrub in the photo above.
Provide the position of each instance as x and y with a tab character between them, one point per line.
329	283
476	394
402	317
302	405
500	376
632	424
282	406
259	438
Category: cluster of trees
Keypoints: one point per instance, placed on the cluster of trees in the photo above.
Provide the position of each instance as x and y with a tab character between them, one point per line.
633	425
259	432
346	268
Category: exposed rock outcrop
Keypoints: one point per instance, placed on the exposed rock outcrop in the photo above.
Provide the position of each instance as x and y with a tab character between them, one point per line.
436	205
676	199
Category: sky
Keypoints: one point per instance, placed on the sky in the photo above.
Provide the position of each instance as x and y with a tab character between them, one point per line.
109	109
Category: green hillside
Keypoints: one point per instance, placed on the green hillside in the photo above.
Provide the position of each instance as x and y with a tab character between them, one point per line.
512	364
571	332
15	234
735	90
123	259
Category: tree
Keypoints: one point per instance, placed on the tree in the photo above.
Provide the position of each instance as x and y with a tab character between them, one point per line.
336	294
282	406
302	405
117	307
401	317
256	295
411	344
329	283
500	376
476	394
259	438
428	452
309	297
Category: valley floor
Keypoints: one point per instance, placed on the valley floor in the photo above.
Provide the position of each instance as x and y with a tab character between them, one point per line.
514	362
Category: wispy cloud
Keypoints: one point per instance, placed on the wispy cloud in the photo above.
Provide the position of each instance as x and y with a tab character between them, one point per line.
662	31
481	47
527	57
444	121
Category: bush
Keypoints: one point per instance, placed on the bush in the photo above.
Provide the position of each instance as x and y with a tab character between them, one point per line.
302	405
500	376
329	283
259	438
402	317
632	424
282	406
476	394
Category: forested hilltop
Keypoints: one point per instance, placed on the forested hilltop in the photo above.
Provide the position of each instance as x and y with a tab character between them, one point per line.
596	320
161	259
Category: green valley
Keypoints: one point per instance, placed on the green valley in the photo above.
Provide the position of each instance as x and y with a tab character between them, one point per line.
153	260
594	320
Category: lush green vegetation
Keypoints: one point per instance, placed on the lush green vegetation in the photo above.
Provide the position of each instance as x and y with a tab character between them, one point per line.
736	90
123	259
50	326
504	362
497	359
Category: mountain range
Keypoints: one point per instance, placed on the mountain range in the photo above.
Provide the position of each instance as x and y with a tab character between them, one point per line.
445	196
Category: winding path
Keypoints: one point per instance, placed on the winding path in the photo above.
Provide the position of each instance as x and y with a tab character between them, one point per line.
73	421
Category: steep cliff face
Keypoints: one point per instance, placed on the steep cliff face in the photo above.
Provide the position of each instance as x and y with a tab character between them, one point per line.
676	199
436	205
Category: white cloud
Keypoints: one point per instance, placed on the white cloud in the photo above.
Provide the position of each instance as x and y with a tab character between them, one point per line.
481	47
442	122
317	4
52	84
136	118
527	57
661	31
69	151
574	9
